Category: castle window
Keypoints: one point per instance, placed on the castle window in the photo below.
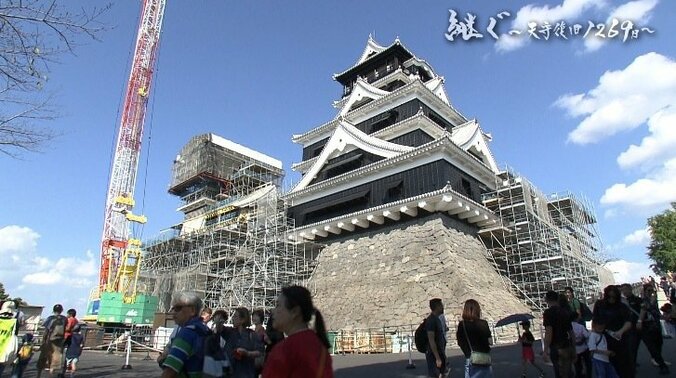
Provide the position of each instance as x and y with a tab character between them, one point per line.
331	208
394	192
466	188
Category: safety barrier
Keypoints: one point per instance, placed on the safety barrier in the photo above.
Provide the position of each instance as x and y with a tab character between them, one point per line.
389	339
141	338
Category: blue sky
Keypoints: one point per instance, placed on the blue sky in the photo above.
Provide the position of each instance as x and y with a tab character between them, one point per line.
590	118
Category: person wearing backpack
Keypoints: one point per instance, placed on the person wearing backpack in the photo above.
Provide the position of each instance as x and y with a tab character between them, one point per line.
576	306
51	349
186	355
435	353
23	356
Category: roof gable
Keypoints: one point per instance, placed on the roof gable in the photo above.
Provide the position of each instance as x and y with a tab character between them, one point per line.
346	134
372	47
472	139
361	91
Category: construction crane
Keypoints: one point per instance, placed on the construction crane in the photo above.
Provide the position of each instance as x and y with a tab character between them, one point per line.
115	299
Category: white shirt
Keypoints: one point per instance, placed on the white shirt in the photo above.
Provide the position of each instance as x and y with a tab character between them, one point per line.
581	336
597	341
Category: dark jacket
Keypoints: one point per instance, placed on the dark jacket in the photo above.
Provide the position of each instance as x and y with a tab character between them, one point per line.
477	333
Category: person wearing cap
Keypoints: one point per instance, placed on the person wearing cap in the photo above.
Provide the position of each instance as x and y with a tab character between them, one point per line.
8	339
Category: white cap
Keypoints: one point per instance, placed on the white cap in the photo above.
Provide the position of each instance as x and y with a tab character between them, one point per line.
8	307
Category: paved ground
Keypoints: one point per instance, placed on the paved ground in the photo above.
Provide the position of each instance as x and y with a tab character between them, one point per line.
505	364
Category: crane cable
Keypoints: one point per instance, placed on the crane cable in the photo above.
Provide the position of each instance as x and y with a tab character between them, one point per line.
118	120
150	133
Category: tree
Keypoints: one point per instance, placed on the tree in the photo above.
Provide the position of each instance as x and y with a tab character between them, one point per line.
6	297
19	301
3	295
662	247
33	34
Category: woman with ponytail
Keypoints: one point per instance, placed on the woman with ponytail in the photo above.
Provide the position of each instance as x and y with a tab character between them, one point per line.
304	353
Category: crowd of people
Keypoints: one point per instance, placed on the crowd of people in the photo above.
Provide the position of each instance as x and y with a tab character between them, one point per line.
202	345
60	349
620	321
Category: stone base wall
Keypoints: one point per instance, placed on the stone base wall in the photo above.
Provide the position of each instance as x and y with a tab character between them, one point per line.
387	277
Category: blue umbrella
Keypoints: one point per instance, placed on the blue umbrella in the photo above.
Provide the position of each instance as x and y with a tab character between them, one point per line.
515	318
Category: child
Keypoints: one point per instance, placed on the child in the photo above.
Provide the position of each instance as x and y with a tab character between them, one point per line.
23	356
74	350
527	355
583	360
598	347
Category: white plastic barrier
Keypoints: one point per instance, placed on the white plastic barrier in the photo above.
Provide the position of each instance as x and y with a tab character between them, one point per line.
161	337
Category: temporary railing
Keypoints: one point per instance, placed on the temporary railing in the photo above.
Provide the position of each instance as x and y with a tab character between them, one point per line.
400	339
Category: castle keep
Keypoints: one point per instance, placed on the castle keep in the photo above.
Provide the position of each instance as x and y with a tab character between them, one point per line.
403	190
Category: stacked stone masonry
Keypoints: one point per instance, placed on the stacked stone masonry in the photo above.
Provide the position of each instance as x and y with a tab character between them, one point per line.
386	277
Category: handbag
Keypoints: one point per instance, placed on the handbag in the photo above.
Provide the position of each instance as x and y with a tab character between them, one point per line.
476	358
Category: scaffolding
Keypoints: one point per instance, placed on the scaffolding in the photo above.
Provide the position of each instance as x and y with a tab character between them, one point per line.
232	248
543	242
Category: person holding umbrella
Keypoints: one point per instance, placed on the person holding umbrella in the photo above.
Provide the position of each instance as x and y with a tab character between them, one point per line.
527	354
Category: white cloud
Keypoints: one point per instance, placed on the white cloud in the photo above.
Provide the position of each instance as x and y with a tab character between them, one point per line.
24	266
643	92
30	272
16	239
623	99
638	11
629	271
638	237
569	10
652	192
654	148
42	278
